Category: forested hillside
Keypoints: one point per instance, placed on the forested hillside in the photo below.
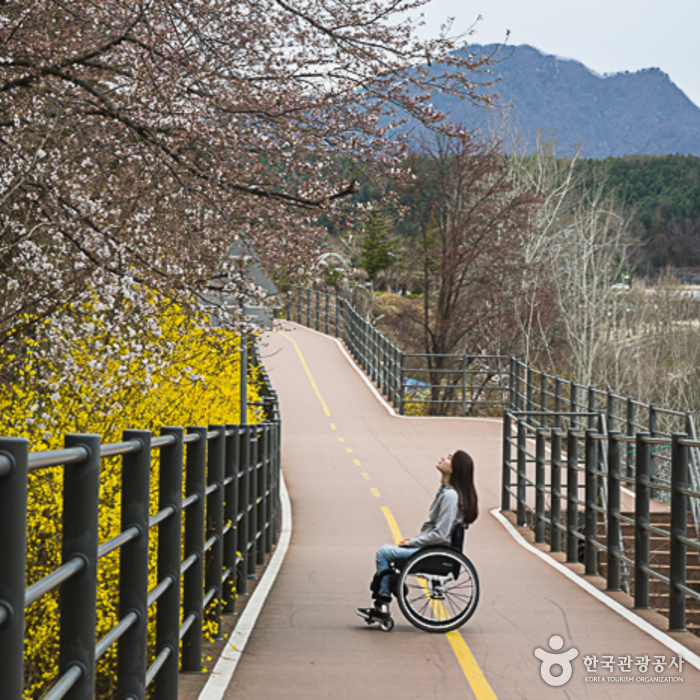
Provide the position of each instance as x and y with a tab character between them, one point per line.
664	194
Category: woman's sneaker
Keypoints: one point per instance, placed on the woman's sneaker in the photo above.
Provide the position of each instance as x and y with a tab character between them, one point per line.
371	615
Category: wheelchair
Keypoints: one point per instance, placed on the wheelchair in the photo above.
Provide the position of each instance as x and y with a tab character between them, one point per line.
437	588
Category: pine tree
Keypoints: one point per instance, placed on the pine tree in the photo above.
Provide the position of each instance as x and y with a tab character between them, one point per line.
376	252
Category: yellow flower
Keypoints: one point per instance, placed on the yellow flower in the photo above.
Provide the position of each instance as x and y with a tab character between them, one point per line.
183	374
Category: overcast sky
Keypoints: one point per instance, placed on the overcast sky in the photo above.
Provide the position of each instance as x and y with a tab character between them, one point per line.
608	36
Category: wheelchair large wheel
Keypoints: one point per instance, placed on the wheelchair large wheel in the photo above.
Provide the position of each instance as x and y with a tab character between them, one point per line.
438	589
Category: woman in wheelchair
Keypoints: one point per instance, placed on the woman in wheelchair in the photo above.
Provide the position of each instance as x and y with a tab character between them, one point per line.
435	584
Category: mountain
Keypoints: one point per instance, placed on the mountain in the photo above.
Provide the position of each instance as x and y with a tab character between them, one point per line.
613	115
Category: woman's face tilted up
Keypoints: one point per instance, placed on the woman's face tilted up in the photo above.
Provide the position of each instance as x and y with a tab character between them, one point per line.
444	466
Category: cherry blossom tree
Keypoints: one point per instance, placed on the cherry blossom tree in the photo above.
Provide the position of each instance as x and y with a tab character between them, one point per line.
139	138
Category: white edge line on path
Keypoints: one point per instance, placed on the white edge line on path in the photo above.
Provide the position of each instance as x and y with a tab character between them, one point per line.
373	388
676	647
233	650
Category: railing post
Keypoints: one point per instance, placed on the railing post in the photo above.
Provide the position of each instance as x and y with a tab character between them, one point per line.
216	458
78	596
396	400
540	447
376	355
275	489
242	508
522	472
557	402
328	311
516	385
318	309
308	307
244	378
251	507
591	408
591	515
464	384
506	468
348	326
267	487
133	567
571	496
383	364
653	417
641	516
13	560
352	332
337	302
169	556
260	495
402	384
573	402
555	512
366	329
528	392
679	525
610	411
230	514
629	459
543	397
614	524
192	592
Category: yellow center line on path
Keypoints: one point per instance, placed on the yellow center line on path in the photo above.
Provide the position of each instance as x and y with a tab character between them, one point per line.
348	449
333	426
357	462
341	439
366	476
374	491
474	675
308	372
393	525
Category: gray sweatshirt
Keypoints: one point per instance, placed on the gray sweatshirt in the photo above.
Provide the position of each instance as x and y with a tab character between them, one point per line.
442	516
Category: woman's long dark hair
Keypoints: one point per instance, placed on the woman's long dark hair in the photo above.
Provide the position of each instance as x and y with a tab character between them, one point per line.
462	481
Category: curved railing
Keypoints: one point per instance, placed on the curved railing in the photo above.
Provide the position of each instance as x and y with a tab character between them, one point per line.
414	383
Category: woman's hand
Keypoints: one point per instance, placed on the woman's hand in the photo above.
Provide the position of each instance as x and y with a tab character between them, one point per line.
405	543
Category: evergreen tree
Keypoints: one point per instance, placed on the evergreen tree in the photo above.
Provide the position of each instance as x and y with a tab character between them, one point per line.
376	252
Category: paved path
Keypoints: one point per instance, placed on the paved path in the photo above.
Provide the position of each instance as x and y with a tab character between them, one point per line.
340	470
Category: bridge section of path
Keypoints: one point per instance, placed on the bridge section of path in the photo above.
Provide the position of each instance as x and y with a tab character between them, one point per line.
348	463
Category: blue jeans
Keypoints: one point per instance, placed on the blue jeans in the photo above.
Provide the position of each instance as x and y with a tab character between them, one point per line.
387	554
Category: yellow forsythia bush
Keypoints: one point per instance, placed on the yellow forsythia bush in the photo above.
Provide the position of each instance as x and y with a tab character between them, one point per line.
113	371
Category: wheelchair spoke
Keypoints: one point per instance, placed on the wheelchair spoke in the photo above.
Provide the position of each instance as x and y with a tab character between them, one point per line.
463	600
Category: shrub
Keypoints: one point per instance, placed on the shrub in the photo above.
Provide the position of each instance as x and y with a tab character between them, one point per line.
114	371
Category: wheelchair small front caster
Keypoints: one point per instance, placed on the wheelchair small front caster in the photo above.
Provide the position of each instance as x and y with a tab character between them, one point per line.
387	624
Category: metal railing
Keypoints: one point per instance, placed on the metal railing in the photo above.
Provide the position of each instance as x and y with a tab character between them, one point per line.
414	383
568	485
551	401
217	518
